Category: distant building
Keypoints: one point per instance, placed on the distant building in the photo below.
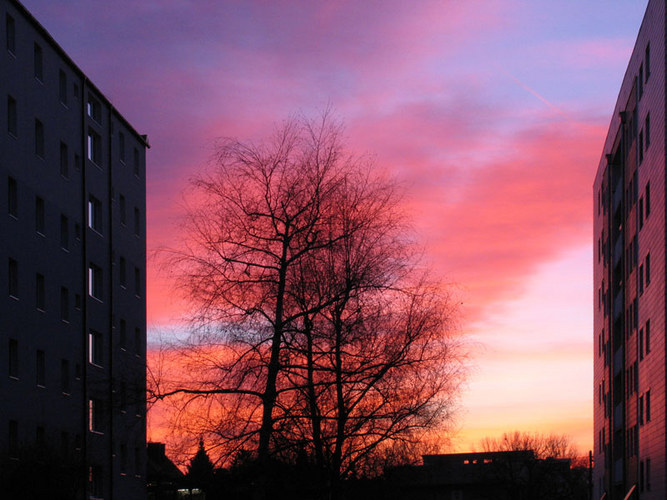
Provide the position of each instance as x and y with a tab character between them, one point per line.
630	233
72	271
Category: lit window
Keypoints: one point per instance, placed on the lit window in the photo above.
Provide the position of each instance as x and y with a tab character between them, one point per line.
12	116
38	62
95	281
94	109
95	214
95	348
94	147
95	413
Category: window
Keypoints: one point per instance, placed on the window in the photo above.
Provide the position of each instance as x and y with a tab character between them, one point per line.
13	358
137	282
38	62
64	304
94	109
647	131
647	268
10	28
136	162
121	146
640	79
641	410
64	232
641	343
95	413
139	395
123	396
13	441
12	197
123	211
137	461
648	199
12	116
65	385
40	292
641	279
94	147
137	221
62	87
647	340
95	348
39	138
647	62
39	215
64	160
40	368
647	402
95	214
123	458
641	146
123	334
641	213
648	474
123	272
13	278
95	281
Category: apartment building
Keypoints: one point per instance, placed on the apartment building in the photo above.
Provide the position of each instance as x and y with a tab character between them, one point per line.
72	272
630	234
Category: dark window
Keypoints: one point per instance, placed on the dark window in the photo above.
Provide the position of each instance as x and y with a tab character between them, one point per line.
641	476
10	27
65	385
123	272
40	292
64	304
641	80
77	301
77	162
13	278
94	147
39	138
123	211
40	368
95	214
38	62
648	199
647	130
64	160
13	358
137	221
648	336
647	401
95	348
121	146
647	62
13	442
12	116
641	146
137	282
647	268
39	215
641	214
123	334
64	232
648	474
136	162
641	343
123	458
62	87
94	109
95	281
12	197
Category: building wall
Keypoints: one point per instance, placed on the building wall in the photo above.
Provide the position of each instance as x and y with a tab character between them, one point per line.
52	328
639	441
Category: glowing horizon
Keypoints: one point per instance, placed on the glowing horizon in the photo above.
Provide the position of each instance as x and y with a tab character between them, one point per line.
492	114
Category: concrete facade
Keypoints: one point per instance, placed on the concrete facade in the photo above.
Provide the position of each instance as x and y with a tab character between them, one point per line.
629	279
72	268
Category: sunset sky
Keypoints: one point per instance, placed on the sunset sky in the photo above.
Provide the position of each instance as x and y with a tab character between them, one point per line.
493	113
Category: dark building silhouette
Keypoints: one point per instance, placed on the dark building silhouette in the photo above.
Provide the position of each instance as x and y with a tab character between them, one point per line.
629	279
72	270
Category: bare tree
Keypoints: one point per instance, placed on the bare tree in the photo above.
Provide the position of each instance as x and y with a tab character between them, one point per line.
316	330
542	445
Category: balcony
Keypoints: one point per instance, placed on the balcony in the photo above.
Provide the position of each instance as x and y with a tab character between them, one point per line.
618	360
618	195
617	253
618	416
